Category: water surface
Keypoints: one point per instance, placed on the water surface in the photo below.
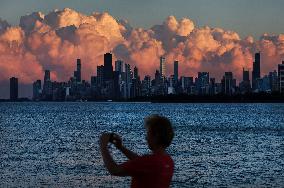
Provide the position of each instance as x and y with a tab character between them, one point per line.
216	145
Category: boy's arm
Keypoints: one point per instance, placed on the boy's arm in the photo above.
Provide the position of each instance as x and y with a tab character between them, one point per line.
113	168
128	153
117	141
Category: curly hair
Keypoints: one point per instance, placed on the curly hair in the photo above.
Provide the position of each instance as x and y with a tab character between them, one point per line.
161	129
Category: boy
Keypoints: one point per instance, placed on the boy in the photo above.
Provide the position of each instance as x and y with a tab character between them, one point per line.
152	170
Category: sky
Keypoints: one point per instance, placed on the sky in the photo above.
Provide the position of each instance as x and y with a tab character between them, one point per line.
203	35
247	17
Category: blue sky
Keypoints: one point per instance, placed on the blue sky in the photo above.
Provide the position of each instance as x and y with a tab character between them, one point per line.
247	17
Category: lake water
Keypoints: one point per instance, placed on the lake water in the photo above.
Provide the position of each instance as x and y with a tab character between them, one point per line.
216	145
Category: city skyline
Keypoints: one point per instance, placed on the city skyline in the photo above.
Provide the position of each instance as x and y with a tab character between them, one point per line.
53	40
123	82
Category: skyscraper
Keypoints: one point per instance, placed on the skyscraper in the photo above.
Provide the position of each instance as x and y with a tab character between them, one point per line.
245	84
13	89
116	84
186	83
136	76
47	86
136	85
228	83
245	75
163	66
175	71
36	89
119	66
256	70
108	69
46	75
203	83
281	77
273	80
128	80
100	75
146	86
77	73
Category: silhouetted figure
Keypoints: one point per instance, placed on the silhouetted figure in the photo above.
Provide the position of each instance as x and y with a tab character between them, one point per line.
152	170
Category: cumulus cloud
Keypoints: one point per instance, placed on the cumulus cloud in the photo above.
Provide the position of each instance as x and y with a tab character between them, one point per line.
54	41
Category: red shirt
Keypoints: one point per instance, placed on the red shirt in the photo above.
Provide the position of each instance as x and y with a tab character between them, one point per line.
155	170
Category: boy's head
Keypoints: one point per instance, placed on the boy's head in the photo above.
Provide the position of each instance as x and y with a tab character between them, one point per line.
159	132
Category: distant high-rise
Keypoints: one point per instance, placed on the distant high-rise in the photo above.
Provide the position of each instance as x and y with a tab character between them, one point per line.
228	83
119	66
46	75
146	86
116	85
77	73
256	70
245	75
245	86
36	89
136	75
281	77
108	69
203	83
175	71
13	89
100	75
273	81
163	66
128	80
186	83
47	85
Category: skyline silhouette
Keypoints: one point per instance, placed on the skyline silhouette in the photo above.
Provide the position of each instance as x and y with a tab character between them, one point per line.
123	82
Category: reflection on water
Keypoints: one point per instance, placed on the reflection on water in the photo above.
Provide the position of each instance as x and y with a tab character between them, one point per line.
56	144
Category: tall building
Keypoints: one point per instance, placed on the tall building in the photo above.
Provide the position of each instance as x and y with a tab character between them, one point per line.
256	70
136	75
245	84
186	83
281	77
135	89
146	86
163	66
116	85
228	84
273	80
13	89
245	75
37	90
100	75
108	69
263	84
47	86
119	66
176	71
158	84
46	75
202	83
77	73
128	80
212	86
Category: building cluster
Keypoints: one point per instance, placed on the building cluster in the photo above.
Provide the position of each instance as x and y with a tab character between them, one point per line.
121	82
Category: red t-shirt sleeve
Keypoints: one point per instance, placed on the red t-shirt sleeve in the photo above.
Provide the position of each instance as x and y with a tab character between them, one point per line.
139	166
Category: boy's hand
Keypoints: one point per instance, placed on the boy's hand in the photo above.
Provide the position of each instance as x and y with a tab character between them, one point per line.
104	139
116	140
